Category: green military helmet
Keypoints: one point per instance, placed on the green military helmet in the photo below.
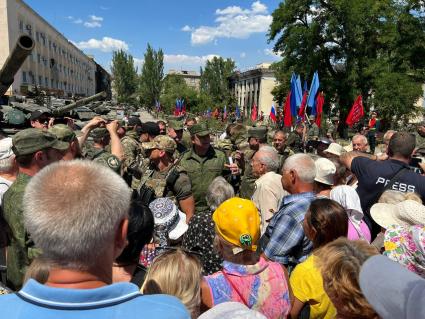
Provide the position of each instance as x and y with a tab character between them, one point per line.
99	132
63	132
200	129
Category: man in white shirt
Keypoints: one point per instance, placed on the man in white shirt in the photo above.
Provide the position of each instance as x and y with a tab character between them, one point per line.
268	186
8	167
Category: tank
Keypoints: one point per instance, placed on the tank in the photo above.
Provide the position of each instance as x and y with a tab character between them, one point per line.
23	48
67	108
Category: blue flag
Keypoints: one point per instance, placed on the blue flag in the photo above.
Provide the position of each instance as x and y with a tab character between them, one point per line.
293	101
314	88
238	112
298	92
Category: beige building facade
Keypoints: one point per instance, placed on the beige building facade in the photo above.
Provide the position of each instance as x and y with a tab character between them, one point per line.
254	86
55	65
191	78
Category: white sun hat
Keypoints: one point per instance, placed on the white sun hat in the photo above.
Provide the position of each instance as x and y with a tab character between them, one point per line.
325	171
405	213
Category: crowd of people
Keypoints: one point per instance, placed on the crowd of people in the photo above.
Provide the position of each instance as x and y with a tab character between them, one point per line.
159	219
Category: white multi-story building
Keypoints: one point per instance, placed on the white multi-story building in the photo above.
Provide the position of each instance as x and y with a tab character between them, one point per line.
254	86
55	65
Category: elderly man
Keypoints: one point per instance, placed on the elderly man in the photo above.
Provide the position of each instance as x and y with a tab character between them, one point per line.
360	143
76	213
284	240
34	149
268	187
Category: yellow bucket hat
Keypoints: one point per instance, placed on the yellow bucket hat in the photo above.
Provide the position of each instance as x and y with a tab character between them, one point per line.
237	221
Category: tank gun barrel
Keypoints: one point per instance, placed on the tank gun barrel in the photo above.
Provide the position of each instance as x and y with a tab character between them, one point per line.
63	109
23	48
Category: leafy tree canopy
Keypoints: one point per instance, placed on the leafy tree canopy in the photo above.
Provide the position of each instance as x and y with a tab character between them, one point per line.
369	47
151	77
124	74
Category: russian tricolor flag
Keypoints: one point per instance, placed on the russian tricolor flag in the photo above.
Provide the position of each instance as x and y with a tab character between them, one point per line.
273	114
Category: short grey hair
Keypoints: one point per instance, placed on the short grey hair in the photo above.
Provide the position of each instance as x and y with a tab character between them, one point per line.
303	164
72	210
218	191
6	164
268	156
388	134
361	137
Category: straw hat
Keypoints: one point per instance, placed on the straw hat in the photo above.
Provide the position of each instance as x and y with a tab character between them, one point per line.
405	213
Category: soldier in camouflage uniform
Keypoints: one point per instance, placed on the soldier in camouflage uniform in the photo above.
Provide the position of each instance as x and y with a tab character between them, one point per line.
101	138
333	129
65	134
279	143
295	139
313	131
202	163
166	178
131	147
257	136
34	149
175	131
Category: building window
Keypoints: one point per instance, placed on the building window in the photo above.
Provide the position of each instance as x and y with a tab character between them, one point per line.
40	80
37	36
24	77
50	44
38	58
51	83
21	25
46	82
29	29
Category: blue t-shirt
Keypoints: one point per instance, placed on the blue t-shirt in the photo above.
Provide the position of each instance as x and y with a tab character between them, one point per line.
120	300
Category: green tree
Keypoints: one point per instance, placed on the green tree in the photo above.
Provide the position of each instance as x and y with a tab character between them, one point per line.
214	81
151	77
124	74
174	88
358	47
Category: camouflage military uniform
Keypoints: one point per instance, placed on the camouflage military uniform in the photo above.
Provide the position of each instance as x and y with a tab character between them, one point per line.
103	157
313	132
21	249
131	148
247	187
186	140
295	143
164	184
202	171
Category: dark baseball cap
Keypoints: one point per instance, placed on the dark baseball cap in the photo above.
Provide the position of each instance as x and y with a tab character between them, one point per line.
32	140
37	114
151	128
134	121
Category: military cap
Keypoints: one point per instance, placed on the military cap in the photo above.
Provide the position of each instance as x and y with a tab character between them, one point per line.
63	132
134	121
162	142
32	140
257	132
99	132
176	125
152	128
200	129
37	114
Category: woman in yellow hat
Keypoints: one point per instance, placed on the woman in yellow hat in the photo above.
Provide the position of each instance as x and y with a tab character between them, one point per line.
246	277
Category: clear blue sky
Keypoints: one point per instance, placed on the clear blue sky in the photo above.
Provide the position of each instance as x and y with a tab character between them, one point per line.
188	31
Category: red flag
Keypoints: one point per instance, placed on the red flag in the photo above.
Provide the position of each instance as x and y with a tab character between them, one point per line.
254	113
301	111
356	112
287	118
320	100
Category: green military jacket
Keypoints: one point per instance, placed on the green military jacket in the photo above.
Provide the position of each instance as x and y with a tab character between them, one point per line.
202	171
131	148
313	132
295	143
247	187
21	250
186	140
104	158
